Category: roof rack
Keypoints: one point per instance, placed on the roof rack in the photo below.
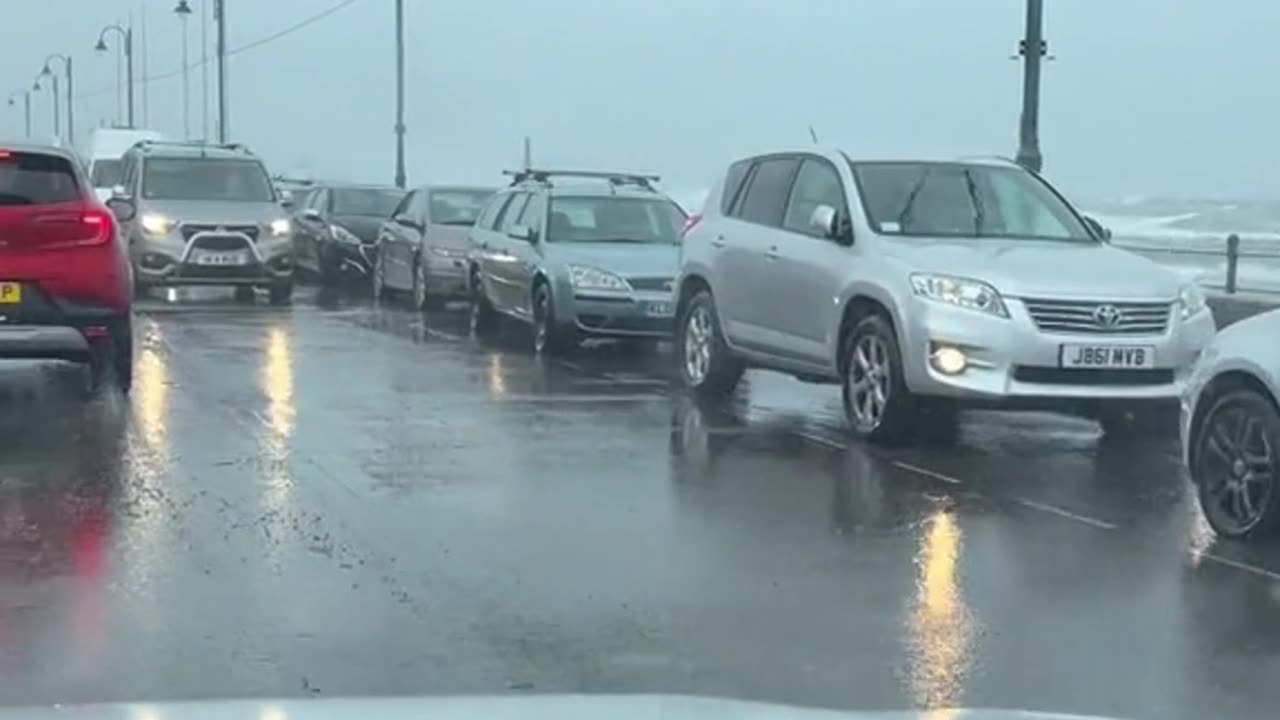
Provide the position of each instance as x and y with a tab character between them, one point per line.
234	147
543	177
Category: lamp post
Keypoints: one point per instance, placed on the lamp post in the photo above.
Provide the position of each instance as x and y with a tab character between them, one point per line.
183	11
220	20
400	178
26	106
48	72
126	35
1032	48
53	87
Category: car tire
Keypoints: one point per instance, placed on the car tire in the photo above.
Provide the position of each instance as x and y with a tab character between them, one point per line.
141	290
281	293
550	337
111	356
1132	421
420	299
1235	466
244	294
483	316
329	273
877	404
378	278
122	355
706	364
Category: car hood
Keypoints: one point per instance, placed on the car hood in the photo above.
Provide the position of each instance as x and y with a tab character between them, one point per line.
214	212
536	707
1032	268
625	259
364	227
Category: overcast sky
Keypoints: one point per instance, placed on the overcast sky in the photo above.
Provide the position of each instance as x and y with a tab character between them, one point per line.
1144	96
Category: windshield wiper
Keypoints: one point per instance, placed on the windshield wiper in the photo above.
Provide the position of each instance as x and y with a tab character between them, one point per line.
905	215
978	212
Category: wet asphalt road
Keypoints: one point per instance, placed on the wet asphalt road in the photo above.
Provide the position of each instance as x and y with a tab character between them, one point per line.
339	499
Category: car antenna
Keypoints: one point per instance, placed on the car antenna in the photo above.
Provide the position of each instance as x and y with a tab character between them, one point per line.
813	135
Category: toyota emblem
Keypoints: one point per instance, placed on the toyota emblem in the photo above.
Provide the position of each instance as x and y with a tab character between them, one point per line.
1107	316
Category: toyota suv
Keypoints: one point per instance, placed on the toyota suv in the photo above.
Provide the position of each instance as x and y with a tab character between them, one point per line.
205	215
591	257
924	286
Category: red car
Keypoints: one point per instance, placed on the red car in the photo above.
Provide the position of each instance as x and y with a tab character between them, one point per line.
65	278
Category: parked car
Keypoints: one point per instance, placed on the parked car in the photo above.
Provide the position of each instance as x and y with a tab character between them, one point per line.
336	227
64	268
205	215
423	247
1231	429
591	259
925	286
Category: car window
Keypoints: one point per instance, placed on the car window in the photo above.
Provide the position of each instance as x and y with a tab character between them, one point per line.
611	219
28	178
733	184
488	219
766	194
457	206
512	211
366	202
404	206
533	212
817	183
416	206
107	172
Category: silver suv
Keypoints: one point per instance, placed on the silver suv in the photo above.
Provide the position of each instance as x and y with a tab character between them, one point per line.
923	286
597	258
205	215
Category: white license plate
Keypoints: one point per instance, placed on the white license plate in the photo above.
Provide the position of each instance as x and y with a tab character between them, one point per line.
231	258
658	309
1106	356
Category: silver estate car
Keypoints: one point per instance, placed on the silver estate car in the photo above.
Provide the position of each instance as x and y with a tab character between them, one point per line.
205	215
924	286
591	259
1231	429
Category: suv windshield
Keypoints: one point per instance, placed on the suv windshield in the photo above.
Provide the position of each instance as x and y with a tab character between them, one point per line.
106	173
372	202
917	199
36	179
614	219
206	179
457	207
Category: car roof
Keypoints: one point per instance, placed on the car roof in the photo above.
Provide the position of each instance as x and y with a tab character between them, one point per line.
193	150
30	147
835	153
354	186
458	188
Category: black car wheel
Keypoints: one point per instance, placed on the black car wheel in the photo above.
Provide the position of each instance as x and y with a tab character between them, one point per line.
420	298
707	365
112	356
549	336
484	318
1237	457
378	277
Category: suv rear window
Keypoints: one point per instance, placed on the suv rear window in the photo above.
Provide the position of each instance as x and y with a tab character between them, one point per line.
28	178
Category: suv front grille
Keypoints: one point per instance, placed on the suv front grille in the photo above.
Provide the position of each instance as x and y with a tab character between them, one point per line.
251	230
1120	318
654	284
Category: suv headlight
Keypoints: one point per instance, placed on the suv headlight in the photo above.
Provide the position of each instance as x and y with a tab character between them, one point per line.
1191	300
279	227
962	292
589	278
153	224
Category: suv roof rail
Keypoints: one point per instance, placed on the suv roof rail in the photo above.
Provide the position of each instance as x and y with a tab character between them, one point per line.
294	180
543	176
234	147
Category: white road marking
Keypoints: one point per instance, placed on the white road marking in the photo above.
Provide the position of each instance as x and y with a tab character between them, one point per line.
925	472
1242	566
1067	514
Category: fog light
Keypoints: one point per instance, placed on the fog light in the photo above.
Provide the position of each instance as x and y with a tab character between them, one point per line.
949	360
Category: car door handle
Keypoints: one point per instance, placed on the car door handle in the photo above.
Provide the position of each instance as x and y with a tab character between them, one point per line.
771	253
718	241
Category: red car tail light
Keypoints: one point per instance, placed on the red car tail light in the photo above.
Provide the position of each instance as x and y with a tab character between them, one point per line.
691	223
97	225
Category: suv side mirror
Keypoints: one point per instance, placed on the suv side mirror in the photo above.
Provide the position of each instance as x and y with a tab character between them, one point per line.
119	191
1099	231
122	207
521	232
826	221
407	221
286	199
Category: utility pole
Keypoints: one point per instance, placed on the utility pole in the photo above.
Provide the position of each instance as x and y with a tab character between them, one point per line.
528	152
204	72
220	18
26	107
57	115
400	178
1032	49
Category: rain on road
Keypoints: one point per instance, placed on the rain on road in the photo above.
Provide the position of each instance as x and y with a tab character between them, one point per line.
343	499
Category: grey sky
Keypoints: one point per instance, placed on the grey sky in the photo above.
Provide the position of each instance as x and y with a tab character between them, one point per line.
1146	95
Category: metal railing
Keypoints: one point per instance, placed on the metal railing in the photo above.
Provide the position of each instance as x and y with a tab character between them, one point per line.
1206	260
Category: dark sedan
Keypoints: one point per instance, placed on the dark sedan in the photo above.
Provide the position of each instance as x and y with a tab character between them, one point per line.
337	226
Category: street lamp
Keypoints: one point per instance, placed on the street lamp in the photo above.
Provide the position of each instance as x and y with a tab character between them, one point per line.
57	124
126	34
183	11
1032	48
26	106
48	72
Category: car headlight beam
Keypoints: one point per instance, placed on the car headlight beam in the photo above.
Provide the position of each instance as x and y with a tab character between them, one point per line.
279	227
155	224
596	280
961	292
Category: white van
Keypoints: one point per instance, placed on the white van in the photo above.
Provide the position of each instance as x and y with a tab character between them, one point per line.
106	146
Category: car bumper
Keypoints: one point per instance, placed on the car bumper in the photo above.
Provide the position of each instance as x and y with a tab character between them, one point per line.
1192	395
446	276
647	315
1011	362
40	328
170	260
